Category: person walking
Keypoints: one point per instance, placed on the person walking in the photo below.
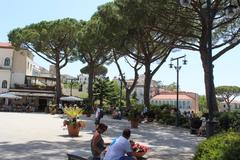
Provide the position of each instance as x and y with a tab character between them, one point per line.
120	147
97	117
97	143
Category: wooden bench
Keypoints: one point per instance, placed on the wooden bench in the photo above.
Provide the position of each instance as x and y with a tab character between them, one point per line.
79	155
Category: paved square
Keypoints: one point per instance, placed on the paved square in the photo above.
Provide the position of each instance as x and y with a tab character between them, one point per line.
40	136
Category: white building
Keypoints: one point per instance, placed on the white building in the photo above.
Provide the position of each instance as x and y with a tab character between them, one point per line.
235	105
83	80
187	101
139	88
20	76
14	66
6	57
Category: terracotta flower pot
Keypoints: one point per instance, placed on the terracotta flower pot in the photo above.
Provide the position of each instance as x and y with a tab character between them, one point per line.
139	154
134	123
73	130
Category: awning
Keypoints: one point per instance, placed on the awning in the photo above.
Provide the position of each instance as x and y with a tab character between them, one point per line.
33	94
70	98
9	95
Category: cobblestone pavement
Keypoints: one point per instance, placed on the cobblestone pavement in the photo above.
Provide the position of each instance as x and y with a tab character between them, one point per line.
40	136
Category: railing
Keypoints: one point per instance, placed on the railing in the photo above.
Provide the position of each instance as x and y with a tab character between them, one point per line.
34	87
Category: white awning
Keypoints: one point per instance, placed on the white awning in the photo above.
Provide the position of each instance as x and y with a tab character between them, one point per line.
9	95
33	94
70	98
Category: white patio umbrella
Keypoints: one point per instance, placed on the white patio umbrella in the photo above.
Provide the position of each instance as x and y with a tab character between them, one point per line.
9	95
70	98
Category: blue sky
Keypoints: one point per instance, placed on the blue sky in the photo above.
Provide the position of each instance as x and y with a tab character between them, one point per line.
15	13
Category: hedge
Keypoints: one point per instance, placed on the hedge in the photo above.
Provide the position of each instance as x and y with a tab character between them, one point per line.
225	146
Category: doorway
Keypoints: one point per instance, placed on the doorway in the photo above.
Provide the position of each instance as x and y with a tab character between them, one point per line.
42	105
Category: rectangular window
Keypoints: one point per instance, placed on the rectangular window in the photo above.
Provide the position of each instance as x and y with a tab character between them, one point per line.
183	103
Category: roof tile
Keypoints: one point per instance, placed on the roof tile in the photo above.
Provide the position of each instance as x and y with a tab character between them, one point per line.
5	45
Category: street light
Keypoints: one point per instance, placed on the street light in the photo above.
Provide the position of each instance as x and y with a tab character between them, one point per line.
177	68
207	13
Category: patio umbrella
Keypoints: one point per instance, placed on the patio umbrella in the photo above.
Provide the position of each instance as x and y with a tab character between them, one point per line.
9	95
70	98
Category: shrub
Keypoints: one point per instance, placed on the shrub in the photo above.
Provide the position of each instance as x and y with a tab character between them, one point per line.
229	120
225	146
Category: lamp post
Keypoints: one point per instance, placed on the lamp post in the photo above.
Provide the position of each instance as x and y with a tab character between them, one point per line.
208	14
177	68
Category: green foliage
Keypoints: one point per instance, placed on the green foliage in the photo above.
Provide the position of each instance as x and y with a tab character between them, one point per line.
75	85
202	103
83	95
99	70
93	48
52	107
165	114
229	120
220	147
170	87
134	98
54	41
103	90
48	38
228	93
73	112
132	28
135	112
92	44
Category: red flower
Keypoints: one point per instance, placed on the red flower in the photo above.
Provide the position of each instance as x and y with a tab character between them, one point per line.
139	147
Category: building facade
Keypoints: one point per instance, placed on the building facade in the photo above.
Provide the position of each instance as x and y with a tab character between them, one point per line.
83	80
139	89
20	76
234	106
6	61
187	101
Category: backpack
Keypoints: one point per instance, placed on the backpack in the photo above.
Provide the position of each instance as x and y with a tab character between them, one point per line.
101	113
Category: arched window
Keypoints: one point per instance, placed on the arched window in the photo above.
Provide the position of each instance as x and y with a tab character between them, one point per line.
4	84
7	62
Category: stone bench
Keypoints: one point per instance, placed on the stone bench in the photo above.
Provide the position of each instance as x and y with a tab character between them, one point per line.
79	155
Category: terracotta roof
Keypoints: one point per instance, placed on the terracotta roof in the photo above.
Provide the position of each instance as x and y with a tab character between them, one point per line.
170	96
5	45
233	102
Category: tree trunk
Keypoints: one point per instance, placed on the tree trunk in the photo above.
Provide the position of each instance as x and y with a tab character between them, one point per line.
58	81
90	84
101	99
229	107
128	94
147	84
209	82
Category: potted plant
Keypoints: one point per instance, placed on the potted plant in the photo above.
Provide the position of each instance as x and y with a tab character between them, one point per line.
134	117
72	123
52	108
139	150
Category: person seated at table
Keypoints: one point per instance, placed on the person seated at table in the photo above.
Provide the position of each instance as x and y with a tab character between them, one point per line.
116	114
120	149
97	143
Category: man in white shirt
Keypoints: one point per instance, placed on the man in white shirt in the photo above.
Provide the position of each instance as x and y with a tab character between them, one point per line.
97	116
120	147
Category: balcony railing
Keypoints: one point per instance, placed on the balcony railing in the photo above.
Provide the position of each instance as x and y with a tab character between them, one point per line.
37	83
34	87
